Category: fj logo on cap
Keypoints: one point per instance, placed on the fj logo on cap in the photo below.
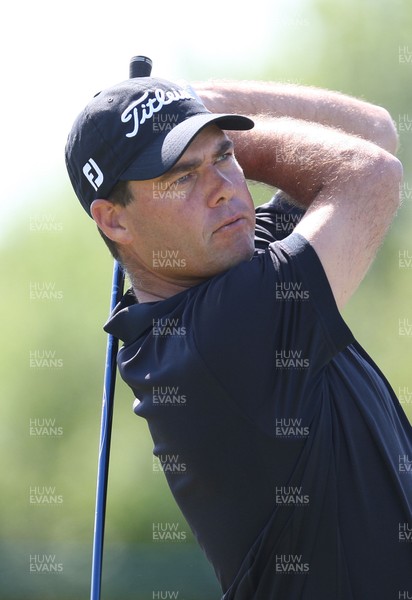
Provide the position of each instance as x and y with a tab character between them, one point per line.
93	173
144	108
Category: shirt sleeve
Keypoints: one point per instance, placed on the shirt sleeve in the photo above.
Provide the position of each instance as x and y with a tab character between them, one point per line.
269	326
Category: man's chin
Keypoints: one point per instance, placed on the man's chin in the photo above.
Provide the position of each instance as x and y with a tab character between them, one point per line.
234	259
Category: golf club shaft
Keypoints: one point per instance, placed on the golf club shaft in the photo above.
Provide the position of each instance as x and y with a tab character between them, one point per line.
140	66
105	437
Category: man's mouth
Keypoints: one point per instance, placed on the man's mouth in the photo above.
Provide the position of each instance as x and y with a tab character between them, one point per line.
230	223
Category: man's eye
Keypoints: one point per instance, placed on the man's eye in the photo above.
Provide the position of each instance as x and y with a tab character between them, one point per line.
183	178
224	156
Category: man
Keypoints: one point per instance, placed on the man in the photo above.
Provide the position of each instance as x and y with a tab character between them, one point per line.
294	445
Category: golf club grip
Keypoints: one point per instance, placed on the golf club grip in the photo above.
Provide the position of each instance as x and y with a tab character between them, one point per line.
140	66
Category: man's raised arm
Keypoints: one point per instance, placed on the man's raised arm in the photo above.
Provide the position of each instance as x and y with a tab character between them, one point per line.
330	108
349	186
333	155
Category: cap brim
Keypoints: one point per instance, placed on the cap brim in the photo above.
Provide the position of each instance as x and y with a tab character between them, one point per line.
168	147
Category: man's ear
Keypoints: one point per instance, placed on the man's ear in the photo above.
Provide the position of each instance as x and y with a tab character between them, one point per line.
109	218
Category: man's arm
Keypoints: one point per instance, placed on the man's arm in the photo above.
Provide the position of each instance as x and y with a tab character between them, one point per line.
349	186
329	108
329	152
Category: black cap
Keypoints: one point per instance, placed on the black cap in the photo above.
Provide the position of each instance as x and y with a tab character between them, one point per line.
135	130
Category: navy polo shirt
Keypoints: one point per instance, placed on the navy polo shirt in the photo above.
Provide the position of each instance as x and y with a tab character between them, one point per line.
297	479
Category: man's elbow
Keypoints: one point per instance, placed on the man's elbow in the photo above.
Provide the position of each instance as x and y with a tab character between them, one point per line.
386	131
390	177
399	178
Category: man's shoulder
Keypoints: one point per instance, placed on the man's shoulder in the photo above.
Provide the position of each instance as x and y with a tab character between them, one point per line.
276	219
237	291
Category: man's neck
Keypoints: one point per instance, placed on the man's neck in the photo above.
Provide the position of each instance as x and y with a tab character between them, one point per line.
149	290
143	296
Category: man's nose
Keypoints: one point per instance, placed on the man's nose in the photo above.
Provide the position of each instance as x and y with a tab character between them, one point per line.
220	186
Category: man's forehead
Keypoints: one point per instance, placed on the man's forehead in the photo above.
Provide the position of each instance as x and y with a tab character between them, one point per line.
211	133
209	139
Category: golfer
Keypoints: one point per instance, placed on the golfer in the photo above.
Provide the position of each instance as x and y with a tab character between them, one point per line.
297	481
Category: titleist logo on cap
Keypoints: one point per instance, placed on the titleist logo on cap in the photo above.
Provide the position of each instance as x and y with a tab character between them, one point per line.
134	131
143	109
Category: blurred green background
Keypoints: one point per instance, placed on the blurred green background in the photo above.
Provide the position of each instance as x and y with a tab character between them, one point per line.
57	274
